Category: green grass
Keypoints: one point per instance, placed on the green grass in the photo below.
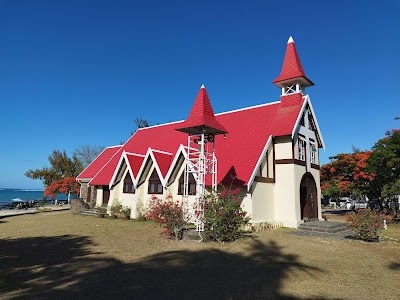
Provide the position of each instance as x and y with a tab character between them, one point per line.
62	256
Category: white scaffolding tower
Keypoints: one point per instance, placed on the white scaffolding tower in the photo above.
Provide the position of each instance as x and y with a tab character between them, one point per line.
202	164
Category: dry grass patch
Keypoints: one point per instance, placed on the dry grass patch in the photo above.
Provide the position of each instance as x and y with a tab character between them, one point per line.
62	256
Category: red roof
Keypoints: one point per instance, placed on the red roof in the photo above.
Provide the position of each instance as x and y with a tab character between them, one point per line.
237	154
291	67
202	117
135	161
163	161
98	163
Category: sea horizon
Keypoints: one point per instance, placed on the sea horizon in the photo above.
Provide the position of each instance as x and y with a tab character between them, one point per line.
8	194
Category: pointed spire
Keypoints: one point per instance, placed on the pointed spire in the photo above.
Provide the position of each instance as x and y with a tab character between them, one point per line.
201	118
291	69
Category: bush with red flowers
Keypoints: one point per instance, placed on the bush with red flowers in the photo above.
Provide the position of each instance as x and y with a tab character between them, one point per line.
366	224
169	214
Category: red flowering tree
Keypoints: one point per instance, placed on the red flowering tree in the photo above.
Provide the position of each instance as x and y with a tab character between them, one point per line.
66	186
347	174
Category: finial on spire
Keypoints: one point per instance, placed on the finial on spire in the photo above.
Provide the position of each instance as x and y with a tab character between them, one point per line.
290	40
202	86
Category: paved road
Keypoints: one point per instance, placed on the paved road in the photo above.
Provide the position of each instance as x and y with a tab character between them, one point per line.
4	213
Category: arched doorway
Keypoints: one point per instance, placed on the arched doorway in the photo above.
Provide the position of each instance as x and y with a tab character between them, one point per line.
308	198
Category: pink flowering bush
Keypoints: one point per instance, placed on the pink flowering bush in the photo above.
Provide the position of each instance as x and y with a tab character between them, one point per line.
223	215
169	214
366	224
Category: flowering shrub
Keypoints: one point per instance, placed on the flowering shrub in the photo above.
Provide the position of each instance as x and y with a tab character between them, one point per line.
224	216
168	213
366	224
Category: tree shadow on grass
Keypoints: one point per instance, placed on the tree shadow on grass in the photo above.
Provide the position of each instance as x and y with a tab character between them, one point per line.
63	267
394	266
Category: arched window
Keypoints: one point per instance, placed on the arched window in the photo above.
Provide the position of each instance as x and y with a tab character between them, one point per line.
128	184
192	184
155	186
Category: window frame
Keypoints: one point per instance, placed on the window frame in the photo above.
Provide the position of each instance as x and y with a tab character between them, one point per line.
128	185
154	183
192	184
301	148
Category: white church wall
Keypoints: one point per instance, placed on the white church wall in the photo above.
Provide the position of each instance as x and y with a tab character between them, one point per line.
283	147
99	196
285	198
299	172
127	199
263	208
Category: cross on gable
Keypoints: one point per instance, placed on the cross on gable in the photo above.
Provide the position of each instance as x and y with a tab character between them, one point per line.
309	135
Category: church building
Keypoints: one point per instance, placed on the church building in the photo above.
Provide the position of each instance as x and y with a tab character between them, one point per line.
269	151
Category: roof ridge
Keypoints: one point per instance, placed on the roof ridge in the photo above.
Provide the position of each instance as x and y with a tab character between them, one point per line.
160	151
137	154
246	108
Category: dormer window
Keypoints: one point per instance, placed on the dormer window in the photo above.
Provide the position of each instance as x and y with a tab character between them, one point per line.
191	185
129	187
155	186
302	149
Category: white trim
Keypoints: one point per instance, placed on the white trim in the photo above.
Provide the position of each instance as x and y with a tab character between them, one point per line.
290	40
124	156
316	123
246	108
150	154
117	169
142	166
95	160
263	153
302	110
136	154
162	179
180	150
162	152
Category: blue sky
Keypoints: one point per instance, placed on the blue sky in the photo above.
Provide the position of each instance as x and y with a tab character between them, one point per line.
79	72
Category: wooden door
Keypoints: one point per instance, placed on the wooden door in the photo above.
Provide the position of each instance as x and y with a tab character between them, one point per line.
308	198
106	194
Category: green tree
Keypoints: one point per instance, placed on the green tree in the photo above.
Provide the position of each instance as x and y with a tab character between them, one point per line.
384	161
61	166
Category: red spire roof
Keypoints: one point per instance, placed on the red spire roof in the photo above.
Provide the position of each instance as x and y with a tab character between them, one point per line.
291	68
201	118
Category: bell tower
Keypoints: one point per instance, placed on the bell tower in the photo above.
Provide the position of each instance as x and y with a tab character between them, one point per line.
201	127
292	80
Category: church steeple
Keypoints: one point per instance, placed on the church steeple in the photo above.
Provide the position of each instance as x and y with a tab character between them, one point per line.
292	78
201	118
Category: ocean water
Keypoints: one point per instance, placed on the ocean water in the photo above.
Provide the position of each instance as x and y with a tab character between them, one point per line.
6	195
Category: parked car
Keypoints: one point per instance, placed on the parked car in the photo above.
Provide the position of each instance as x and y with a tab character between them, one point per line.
345	203
360	204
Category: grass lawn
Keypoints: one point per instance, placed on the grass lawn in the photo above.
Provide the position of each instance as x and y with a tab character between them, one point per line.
59	255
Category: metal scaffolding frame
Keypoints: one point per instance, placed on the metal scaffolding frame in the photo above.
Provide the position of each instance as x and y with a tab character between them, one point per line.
201	162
